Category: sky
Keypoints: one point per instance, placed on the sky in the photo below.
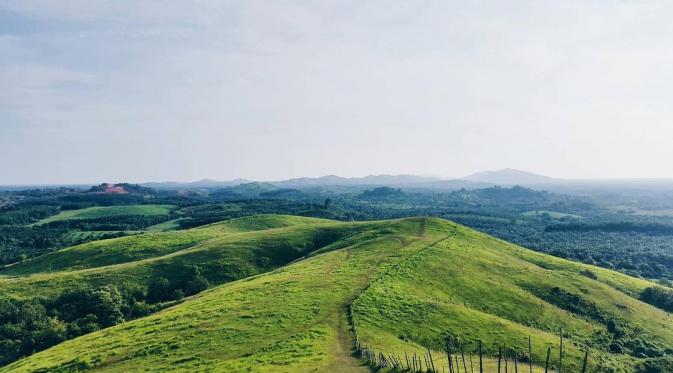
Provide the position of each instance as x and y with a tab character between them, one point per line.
123	90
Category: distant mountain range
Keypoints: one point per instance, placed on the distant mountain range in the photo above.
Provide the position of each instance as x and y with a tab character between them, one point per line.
478	180
330	181
205	184
510	176
507	177
396	180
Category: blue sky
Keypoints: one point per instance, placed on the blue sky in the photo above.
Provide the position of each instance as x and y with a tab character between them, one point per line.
176	90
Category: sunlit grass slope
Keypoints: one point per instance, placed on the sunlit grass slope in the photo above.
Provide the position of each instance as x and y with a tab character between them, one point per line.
476	287
109	211
148	245
224	251
409	286
291	319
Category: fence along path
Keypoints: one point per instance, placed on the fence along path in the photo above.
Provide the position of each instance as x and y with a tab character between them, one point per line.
457	359
460	361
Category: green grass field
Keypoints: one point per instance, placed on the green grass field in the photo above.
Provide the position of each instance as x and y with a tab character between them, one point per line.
109	211
552	214
165	226
225	251
94	235
409	282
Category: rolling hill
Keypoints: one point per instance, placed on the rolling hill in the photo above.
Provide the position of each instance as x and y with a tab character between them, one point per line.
509	176
109	211
230	250
400	286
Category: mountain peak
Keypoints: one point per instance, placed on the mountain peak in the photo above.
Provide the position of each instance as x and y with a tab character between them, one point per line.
509	176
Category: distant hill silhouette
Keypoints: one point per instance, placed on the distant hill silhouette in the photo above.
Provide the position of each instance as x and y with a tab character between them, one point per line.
509	176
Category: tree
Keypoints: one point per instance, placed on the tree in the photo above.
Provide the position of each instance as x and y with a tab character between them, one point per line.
195	282
658	297
159	290
105	303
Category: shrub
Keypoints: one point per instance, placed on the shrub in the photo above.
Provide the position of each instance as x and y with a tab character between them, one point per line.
160	290
658	297
195	282
590	274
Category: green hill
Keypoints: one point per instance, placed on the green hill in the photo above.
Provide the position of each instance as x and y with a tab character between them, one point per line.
224	251
148	245
252	189
409	284
109	211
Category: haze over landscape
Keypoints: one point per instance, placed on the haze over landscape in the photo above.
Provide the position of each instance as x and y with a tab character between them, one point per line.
117	90
336	186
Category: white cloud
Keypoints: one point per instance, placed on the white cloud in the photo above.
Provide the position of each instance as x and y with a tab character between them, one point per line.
271	90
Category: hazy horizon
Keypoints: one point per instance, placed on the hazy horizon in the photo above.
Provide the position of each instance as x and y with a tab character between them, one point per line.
124	91
457	178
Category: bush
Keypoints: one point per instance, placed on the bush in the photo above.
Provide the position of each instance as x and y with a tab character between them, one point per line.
160	290
656	365
102	305
616	348
658	297
195	282
30	326
590	274
163	290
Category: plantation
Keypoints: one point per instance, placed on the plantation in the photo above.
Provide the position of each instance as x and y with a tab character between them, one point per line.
404	286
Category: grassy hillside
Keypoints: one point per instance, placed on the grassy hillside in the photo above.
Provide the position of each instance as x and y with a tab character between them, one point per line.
224	251
109	211
148	245
165	226
553	214
410	283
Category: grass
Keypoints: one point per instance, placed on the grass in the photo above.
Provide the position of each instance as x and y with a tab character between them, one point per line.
475	287
165	226
480	217
267	322
552	214
225	251
109	211
409	287
75	235
149	245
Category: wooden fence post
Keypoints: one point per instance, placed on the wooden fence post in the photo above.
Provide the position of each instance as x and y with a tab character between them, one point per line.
530	355
431	361
448	355
499	358
504	352
481	363
546	363
586	359
560	352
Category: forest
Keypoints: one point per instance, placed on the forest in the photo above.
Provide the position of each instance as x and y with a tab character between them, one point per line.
596	229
